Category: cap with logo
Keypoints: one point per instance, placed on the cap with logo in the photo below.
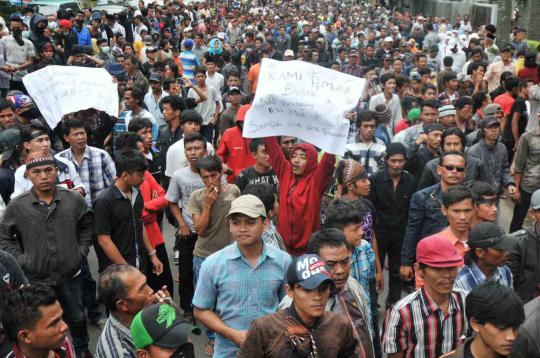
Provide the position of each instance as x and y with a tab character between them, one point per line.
308	271
248	205
487	234
161	325
438	251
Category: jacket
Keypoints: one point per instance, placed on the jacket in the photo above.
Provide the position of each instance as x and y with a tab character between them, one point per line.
496	160
233	150
475	170
159	203
523	262
425	218
527	344
459	352
299	196
48	243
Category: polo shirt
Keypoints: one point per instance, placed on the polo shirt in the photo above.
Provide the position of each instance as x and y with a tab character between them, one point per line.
238	292
117	216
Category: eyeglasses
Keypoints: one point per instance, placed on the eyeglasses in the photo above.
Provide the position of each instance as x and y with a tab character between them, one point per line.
454	167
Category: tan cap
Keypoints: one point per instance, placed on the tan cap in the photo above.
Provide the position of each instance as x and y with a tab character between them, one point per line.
248	205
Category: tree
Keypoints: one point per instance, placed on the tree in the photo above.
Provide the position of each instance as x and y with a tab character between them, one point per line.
504	21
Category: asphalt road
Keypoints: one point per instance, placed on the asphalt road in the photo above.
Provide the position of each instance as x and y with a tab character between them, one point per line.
199	342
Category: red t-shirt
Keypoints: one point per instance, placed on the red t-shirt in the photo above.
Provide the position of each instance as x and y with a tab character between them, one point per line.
505	101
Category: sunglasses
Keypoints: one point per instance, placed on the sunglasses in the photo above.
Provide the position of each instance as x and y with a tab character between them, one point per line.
454	167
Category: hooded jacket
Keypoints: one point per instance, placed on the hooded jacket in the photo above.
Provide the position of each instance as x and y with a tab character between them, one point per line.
36	35
523	262
299	196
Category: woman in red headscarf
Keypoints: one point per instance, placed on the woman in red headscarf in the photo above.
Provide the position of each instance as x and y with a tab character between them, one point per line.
302	183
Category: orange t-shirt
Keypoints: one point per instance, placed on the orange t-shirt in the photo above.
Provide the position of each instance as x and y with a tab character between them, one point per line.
461	247
253	76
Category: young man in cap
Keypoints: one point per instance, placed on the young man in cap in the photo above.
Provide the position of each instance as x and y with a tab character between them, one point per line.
425	215
492	109
233	149
160	331
447	116
33	321
486	202
228	116
486	260
153	98
407	326
526	251
305	328
353	67
54	254
494	313
494	154
244	274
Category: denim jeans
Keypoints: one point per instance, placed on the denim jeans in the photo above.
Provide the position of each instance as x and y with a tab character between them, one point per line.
89	293
197	262
70	296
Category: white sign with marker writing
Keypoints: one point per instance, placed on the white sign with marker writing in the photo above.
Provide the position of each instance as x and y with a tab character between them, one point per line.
307	101
59	90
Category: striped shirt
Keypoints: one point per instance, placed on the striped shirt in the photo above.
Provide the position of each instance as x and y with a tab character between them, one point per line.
471	276
420	329
115	341
238	292
189	62
97	170
371	155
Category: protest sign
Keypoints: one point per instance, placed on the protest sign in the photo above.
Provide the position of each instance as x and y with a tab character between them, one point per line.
300	99
59	90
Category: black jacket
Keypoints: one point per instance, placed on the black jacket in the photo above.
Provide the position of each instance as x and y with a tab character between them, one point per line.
524	262
528	340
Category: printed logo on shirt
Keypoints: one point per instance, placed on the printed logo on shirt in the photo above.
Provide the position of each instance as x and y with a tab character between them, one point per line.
6	278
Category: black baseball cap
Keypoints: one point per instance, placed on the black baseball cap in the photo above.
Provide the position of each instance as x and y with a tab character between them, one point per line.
487	234
9	138
161	325
309	271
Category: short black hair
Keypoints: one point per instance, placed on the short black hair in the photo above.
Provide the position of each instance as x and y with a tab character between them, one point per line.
386	77
137	94
138	123
511	84
431	103
190	115
448	61
72	121
481	189
494	303
402	80
6	104
444	155
127	141
194	137
365	115
28	129
326	238
265	192
210	163
254	144
427	87
425	71
455	194
20	307
341	213
454	131
111	288
174	101
129	161
463	101
449	76
408	103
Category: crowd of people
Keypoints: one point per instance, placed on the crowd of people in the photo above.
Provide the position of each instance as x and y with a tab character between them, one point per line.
279	249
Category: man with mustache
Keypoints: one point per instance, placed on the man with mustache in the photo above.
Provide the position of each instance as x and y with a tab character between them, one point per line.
18	53
434	305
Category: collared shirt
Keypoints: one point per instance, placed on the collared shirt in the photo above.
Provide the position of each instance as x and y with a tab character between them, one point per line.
238	292
97	170
370	155
272	237
66	350
494	71
471	276
353	70
527	160
115	341
152	104
417	327
363	266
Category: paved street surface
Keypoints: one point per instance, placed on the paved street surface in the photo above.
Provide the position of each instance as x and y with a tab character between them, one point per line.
505	218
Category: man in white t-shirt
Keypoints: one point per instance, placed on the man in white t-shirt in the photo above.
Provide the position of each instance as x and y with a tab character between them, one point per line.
209	109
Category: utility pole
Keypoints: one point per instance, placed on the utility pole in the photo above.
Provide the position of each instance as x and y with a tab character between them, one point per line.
504	21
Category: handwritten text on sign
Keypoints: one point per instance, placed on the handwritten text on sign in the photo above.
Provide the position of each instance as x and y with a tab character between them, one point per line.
304	100
59	90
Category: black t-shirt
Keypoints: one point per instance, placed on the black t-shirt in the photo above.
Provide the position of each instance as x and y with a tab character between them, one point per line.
251	176
115	215
520	107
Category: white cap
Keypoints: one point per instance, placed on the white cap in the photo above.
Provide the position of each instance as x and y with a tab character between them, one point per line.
288	53
388	39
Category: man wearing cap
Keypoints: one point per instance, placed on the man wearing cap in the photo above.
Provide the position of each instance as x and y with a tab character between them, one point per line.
160	331
486	260
304	329
189	60
233	149
494	155
66	38
526	174
492	109
426	148
406	329
386	47
495	69
19	53
233	96
447	116
241	282
524	257
52	255
152	99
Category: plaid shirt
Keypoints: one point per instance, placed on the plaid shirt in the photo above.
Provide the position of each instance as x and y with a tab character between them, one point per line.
363	266
471	276
353	70
115	341
417	327
238	292
97	170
